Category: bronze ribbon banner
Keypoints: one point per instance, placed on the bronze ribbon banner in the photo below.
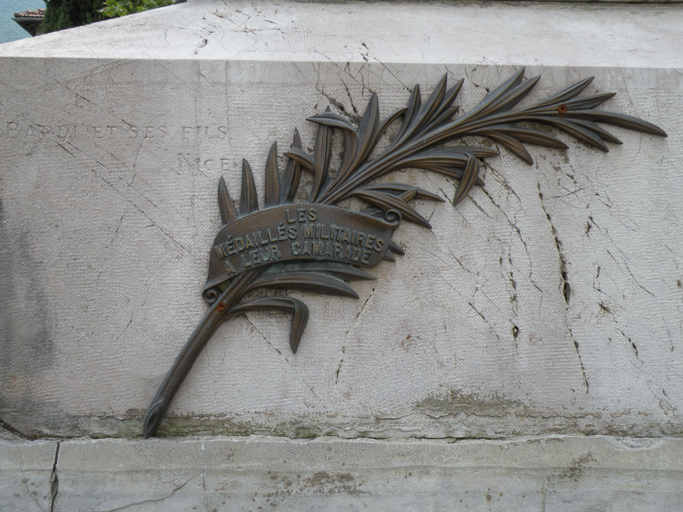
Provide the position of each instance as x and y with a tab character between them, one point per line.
299	232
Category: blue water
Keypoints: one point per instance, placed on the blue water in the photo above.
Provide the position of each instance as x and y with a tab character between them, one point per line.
9	30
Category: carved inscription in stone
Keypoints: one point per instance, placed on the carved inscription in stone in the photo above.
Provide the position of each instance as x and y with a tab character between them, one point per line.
22	130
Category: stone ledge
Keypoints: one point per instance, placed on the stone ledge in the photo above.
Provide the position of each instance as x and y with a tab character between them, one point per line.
520	33
264	473
26	470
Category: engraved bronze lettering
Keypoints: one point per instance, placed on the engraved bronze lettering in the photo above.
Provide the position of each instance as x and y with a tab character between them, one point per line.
327	219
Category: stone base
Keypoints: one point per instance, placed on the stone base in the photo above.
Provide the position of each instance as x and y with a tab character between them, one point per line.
265	473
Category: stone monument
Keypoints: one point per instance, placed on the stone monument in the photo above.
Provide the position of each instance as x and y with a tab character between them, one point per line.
522	353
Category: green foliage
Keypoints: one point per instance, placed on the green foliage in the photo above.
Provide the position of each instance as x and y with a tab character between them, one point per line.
116	8
61	14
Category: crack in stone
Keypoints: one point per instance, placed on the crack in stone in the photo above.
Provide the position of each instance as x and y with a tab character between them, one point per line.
629	271
388	70
339	366
25	480
479	207
566	289
436	255
343	350
459	262
516	229
485	320
9	428
583	370
511	288
633	345
340	106
353	106
279	352
132	203
206	495
155	499
609	311
54	480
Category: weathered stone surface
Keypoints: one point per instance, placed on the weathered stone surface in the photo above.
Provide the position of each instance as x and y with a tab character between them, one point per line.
242	474
548	302
26	475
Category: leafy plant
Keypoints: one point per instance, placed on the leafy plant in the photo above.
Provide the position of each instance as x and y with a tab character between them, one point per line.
423	128
62	14
116	8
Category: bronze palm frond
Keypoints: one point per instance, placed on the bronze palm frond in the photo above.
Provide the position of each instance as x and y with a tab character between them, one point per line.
317	246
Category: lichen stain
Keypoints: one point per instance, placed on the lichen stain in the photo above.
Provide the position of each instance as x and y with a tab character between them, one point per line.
278	487
454	402
324	482
408	342
577	467
25	343
197	424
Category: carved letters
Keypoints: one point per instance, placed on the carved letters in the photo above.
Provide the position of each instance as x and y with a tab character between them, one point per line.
299	232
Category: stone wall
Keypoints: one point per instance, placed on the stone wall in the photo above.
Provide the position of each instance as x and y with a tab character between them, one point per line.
548	302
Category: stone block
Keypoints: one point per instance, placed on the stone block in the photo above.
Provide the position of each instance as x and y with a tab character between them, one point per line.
547	302
243	474
26	475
